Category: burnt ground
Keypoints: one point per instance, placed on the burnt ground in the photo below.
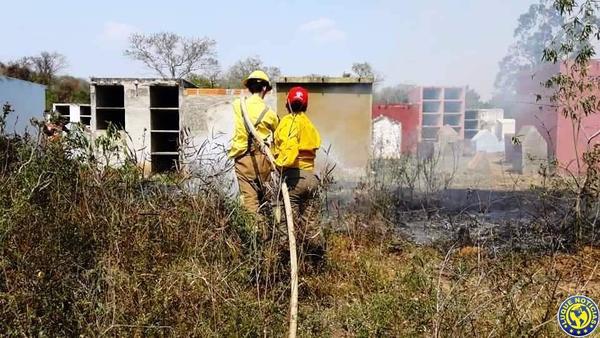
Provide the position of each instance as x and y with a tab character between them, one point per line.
515	220
496	209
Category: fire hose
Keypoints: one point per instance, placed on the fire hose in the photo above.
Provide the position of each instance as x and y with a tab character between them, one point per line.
293	323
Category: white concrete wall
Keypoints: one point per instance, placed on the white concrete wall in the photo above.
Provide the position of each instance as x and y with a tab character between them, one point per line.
387	138
137	118
490	116
74	110
505	127
135	126
137	113
208	122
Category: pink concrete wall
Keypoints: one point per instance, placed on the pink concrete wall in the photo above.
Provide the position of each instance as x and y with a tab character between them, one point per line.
418	99
545	115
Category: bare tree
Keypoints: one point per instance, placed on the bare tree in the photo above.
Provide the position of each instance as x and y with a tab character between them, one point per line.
394	94
364	69
238	72
213	72
46	65
209	78
171	55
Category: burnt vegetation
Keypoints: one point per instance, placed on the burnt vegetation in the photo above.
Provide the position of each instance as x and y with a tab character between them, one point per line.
92	249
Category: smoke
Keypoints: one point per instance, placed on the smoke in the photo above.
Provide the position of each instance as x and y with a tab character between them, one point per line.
206	140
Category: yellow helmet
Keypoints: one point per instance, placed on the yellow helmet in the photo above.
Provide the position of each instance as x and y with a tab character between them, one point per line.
258	75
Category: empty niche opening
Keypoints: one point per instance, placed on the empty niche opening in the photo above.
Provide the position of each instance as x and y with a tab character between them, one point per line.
164	163
85	115
106	116
452	120
474	124
432	93
431	120
164	96
165	142
110	96
471	115
430	133
63	110
469	134
453	93
431	107
85	110
452	107
161	119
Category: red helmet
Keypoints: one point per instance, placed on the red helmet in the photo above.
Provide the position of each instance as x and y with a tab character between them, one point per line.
298	97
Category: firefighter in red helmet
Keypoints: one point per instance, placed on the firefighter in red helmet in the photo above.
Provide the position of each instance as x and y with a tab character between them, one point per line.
295	149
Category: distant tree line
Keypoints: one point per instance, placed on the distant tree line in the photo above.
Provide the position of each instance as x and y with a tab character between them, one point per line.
43	68
173	56
214	77
195	59
537	29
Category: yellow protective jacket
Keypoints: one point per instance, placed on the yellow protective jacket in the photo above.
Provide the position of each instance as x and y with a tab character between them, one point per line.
265	127
296	142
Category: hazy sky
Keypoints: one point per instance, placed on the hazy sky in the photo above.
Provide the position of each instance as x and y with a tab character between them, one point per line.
429	42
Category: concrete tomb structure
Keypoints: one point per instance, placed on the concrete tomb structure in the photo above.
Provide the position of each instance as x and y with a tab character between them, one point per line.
340	108
531	151
149	110
172	123
509	148
438	107
74	112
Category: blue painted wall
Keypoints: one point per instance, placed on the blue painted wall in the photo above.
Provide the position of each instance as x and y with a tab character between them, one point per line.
28	100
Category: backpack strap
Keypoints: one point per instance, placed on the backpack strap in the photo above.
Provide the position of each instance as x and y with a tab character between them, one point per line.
262	115
258	121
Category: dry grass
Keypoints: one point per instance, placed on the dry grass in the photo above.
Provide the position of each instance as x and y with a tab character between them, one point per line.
89	250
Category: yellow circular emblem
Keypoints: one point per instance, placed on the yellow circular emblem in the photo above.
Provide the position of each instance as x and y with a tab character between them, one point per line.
578	316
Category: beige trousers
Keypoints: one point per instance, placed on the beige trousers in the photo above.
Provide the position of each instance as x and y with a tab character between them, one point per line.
303	186
252	171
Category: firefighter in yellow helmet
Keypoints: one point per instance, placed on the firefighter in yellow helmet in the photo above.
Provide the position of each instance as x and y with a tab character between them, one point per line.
295	149
252	167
